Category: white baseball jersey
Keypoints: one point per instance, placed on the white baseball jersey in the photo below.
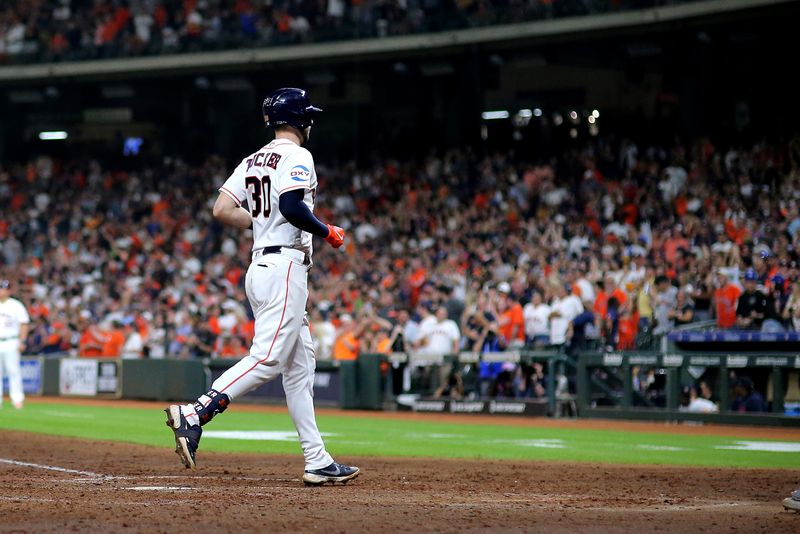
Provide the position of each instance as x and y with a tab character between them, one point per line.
440	336
12	315
261	178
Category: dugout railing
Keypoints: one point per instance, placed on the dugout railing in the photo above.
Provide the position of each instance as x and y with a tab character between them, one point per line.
778	373
644	385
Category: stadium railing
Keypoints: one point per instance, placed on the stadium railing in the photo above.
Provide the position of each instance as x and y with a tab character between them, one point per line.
645	385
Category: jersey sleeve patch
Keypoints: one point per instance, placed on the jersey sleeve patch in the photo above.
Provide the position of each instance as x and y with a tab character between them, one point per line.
300	173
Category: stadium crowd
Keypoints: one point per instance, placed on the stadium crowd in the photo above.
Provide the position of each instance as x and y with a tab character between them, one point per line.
613	245
54	30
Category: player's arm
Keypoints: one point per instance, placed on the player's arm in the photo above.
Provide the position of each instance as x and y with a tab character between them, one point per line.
226	210
23	336
295	210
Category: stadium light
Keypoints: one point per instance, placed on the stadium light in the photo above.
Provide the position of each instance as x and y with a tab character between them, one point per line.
537	112
591	119
525	113
493	115
595	114
58	135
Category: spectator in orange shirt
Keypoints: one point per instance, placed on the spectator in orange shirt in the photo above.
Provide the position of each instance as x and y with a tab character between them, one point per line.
725	299
512	321
92	341
627	330
114	341
231	347
347	342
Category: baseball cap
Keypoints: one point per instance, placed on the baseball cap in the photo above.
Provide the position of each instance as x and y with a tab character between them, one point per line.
778	280
750	275
5	284
503	287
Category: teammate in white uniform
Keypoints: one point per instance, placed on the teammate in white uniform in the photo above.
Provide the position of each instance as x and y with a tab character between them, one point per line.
14	321
279	183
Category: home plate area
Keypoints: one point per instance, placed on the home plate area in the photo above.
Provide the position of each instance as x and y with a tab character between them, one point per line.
53	484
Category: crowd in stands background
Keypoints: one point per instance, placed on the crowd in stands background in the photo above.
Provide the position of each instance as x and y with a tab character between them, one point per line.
54	30
614	244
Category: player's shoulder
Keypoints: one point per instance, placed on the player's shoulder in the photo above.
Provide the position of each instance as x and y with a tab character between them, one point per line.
298	153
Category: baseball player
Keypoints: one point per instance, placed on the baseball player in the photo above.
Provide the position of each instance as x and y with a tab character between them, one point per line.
279	184
14	322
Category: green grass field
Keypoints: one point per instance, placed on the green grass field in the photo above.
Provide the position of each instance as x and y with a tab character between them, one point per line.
367	436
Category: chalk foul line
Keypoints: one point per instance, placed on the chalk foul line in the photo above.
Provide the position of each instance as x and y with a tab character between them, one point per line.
51	468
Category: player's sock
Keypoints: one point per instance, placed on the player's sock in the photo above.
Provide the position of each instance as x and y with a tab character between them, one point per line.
206	407
188	412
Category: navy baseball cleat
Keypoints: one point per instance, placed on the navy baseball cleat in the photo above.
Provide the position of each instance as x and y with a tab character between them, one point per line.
333	473
187	438
793	502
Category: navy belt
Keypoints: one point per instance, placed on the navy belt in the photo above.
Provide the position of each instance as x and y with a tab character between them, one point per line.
277	250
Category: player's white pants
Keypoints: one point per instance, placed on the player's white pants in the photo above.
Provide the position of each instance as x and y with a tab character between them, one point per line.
276	286
9	365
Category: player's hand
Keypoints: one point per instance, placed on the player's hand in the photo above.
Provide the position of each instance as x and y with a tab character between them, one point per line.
335	236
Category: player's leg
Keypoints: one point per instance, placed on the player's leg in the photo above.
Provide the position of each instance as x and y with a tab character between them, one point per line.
276	290
298	383
277	297
15	391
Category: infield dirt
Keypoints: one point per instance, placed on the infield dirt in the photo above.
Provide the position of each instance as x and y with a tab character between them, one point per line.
130	488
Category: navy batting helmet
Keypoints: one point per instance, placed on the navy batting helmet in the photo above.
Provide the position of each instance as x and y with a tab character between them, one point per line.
289	106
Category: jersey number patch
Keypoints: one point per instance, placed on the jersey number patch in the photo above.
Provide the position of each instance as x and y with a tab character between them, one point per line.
259	189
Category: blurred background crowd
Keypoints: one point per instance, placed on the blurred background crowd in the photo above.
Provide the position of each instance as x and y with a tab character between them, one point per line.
54	30
612	245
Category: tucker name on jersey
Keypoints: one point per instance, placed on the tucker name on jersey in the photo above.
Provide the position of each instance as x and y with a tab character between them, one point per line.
261	178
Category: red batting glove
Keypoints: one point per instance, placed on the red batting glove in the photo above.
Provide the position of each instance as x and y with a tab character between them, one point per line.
335	236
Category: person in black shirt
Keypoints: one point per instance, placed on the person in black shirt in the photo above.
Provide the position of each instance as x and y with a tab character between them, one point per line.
747	398
775	302
683	311
752	304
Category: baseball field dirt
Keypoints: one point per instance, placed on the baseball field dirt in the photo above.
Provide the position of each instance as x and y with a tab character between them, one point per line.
57	484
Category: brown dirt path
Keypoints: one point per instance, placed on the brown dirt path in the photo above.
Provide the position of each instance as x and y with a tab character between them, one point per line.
133	488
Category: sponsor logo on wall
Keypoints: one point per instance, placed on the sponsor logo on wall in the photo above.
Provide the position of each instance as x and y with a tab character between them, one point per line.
77	377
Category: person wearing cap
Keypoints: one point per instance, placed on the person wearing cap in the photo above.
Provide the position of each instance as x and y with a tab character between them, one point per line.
14	321
752	306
